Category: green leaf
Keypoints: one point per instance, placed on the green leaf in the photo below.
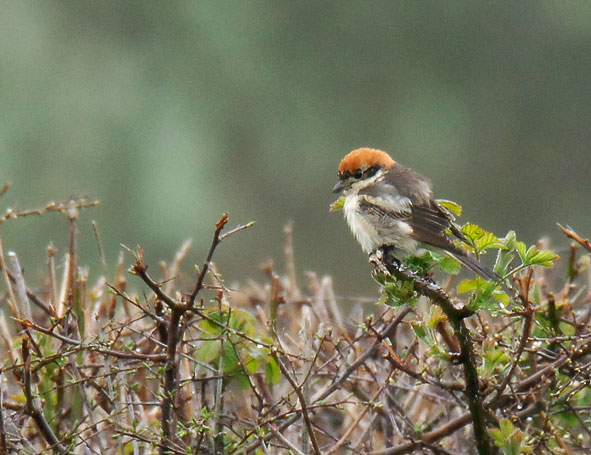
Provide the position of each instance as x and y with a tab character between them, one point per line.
251	364
396	293
242	380
243	321
543	258
337	205
435	316
520	247
494	357
272	372
450	266
488	240
424	263
231	359
510	439
480	239
472	232
422	333
453	207
210	328
501	297
503	261
209	351
466	286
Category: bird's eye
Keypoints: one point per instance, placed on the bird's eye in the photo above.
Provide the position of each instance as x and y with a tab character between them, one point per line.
358	174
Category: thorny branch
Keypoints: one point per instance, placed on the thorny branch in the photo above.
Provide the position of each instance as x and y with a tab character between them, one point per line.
174	329
456	317
116	363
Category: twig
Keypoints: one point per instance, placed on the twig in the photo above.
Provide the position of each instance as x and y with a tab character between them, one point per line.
354	424
141	270
304	406
390	267
285	441
93	347
62	207
528	319
218	432
402	312
293	290
174	329
170	377
3	445
32	410
217	238
4	188
214	243
585	243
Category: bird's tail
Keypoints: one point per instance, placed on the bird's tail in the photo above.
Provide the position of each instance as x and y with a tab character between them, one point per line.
477	267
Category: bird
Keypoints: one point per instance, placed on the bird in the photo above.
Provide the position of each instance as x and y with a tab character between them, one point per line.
389	206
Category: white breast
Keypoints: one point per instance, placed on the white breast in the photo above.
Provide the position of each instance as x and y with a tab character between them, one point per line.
372	232
363	230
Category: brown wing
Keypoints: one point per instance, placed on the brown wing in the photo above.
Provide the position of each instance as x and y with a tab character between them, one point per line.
429	224
428	219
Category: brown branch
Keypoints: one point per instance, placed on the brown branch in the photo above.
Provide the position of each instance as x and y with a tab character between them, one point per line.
3	442
30	407
298	390
388	266
355	422
170	377
92	347
32	296
402	312
141	270
214	243
528	320
174	330
62	207
585	243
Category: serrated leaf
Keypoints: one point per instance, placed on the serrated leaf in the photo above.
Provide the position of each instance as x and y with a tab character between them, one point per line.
543	258
481	239
242	320
472	231
210	328
495	356
453	207
504	431
488	240
337	205
399	293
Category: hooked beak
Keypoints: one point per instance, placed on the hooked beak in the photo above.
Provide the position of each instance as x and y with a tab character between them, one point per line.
339	187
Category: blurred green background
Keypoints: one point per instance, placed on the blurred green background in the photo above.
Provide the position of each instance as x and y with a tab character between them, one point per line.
171	113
